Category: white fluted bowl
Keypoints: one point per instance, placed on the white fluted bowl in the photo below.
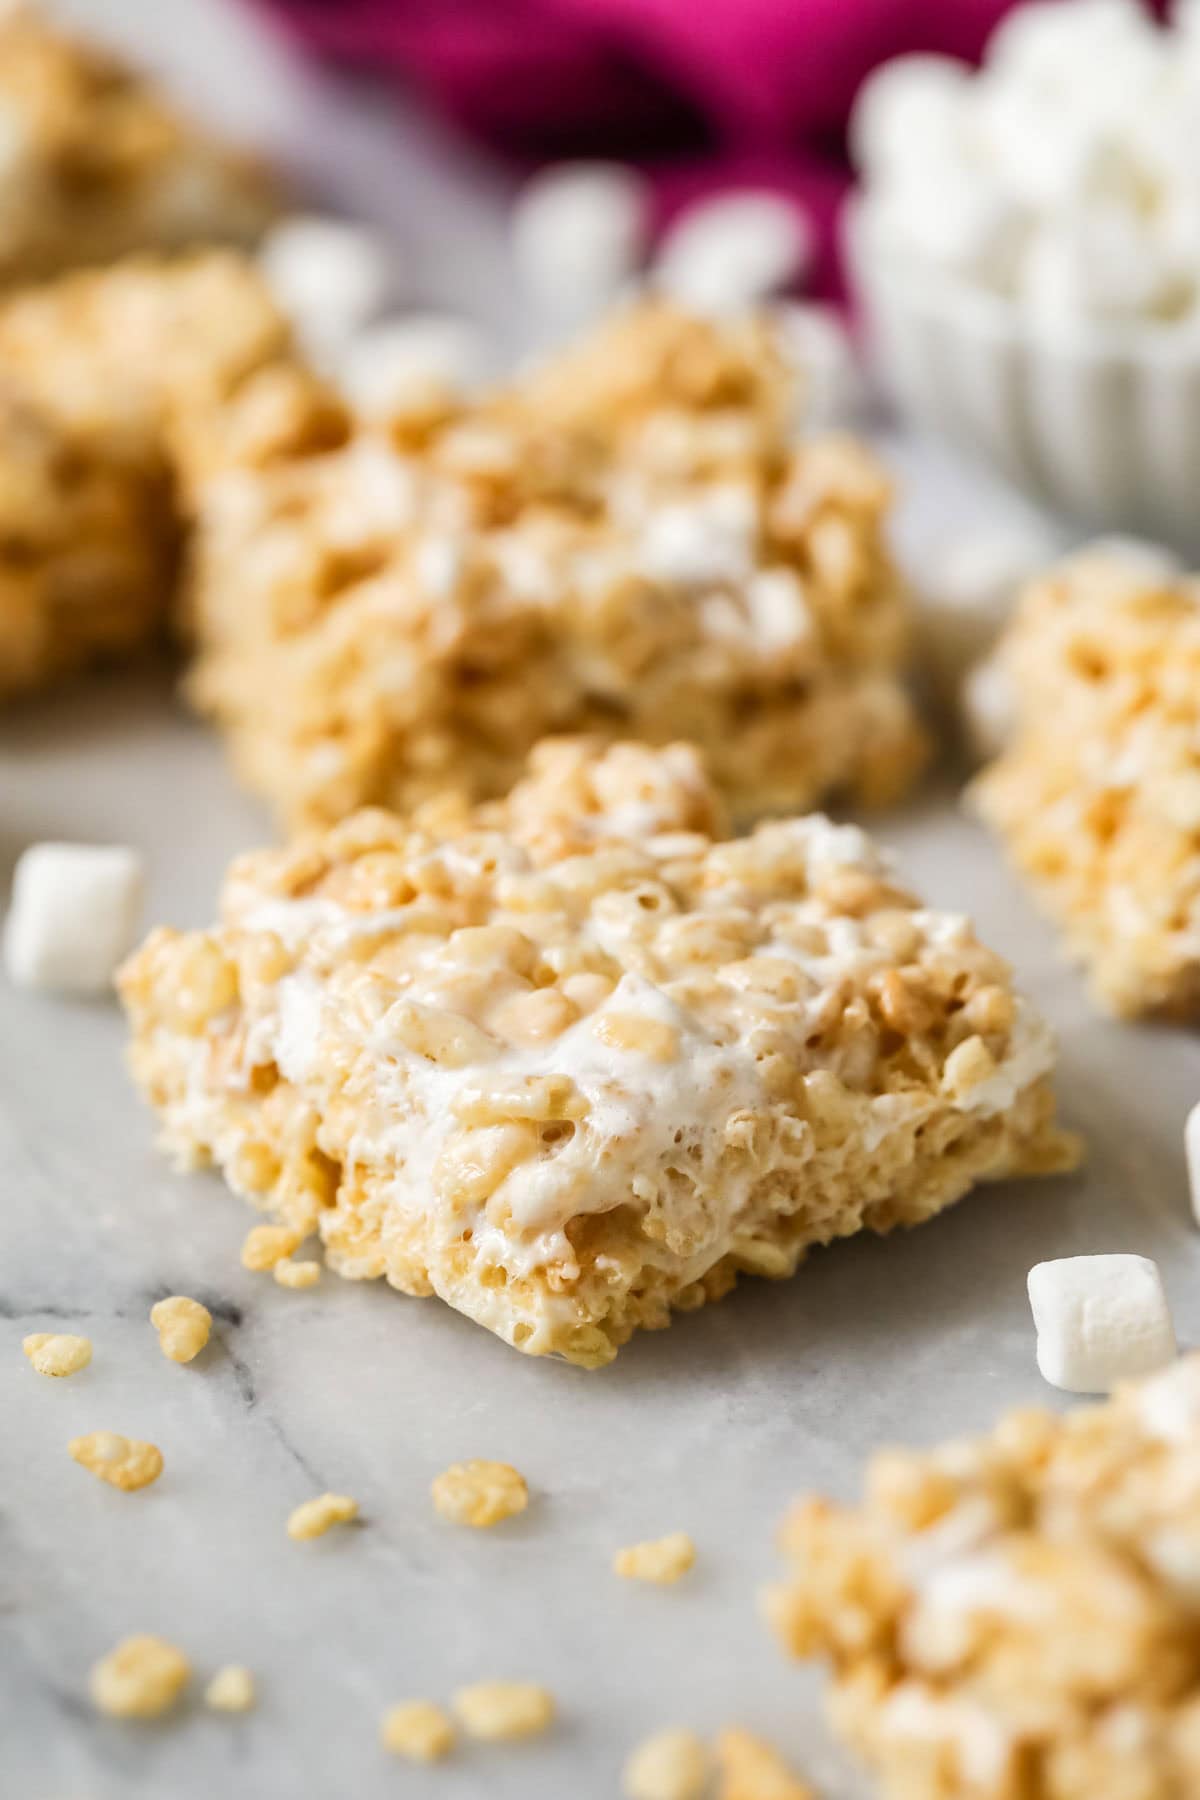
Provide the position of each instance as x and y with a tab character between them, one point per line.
1100	424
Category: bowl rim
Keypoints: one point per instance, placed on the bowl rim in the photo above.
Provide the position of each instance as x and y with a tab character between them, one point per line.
955	303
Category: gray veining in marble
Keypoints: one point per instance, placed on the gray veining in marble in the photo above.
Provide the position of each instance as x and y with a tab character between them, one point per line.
711	1427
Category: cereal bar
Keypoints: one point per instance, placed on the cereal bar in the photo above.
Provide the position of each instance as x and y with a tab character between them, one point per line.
572	1059
1016	1617
97	164
1096	796
626	541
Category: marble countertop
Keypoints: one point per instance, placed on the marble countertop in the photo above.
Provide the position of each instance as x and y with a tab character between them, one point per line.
711	1427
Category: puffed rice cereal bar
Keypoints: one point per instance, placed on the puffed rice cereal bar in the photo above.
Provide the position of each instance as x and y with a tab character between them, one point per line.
627	541
1096	796
1017	1617
572	1059
96	163
118	387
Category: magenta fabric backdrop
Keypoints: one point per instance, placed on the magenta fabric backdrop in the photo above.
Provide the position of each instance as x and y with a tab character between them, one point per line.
701	93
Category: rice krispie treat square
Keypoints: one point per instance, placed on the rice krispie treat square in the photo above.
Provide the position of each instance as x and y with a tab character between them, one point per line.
1016	1617
572	1059
120	388
95	163
1096	795
627	541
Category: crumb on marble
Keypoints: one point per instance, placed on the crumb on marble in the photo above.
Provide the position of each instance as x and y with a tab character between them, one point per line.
497	1711
183	1327
292	1274
661	1560
123	1462
231	1689
313	1518
265	1246
671	1765
417	1730
140	1678
57	1353
479	1492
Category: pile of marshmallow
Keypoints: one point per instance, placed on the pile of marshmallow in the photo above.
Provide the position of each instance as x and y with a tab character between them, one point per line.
1063	176
580	242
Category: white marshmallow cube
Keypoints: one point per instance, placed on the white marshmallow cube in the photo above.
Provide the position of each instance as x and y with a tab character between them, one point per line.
330	277
911	108
967	587
578	233
731	252
1191	1146
1100	1320
74	915
986	709
399	361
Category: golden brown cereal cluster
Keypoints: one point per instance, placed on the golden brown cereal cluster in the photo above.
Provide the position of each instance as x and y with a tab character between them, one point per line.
661	1560
569	1061
140	1678
122	1462
183	1327
313	1518
121	388
97	164
480	1493
1097	795
1015	1617
627	541
502	1711
57	1353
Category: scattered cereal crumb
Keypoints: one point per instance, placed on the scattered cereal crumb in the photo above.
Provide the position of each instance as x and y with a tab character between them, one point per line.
672	1765
183	1327
480	1493
313	1518
57	1352
231	1689
123	1462
749	1769
291	1274
498	1710
662	1559
140	1678
266	1245
418	1730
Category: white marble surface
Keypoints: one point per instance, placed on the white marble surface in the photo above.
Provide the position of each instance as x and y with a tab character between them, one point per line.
711	1427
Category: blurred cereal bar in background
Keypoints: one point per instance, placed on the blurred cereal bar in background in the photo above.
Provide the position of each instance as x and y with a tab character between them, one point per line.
96	163
574	1059
1096	795
1015	1615
626	540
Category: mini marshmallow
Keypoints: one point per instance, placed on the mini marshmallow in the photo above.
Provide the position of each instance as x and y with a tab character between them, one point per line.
968	585
953	215
730	252
400	361
1098	262
909	108
578	233
986	709
1099	1320
74	915
816	342
1051	43
329	275
1191	1145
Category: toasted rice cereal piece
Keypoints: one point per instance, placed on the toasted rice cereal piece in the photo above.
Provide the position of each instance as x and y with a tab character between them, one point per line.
627	541
265	1246
183	1327
500	1711
313	1518
392	1039
417	1730
140	1678
1096	795
125	1463
57	1353
98	163
291	1274
749	1769
672	1765
1014	1616
661	1560
231	1689
479	1493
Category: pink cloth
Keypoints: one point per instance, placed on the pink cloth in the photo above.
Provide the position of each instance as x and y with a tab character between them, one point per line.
702	93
